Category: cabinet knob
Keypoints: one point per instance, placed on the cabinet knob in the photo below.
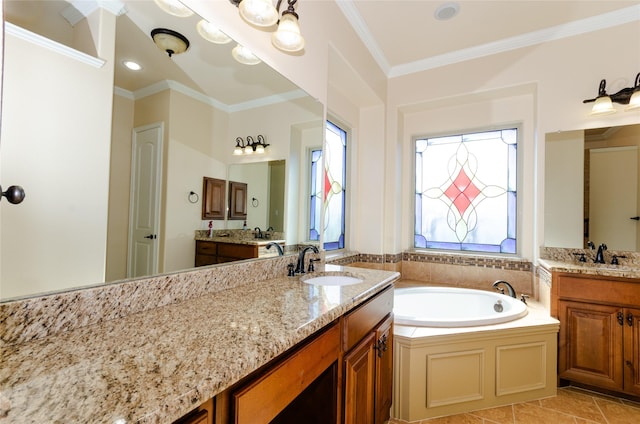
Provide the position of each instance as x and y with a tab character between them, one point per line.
629	364
630	319
620	318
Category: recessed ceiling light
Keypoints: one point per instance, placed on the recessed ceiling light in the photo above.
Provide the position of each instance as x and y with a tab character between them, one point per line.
447	11
129	64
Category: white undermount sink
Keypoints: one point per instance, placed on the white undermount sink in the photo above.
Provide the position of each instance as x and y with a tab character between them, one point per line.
332	280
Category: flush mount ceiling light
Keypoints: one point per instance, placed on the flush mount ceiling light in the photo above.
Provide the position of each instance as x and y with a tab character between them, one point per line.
174	7
603	103
130	64
250	146
262	13
244	55
212	33
446	11
170	41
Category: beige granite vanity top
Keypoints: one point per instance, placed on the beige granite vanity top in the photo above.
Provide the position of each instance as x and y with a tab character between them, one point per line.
155	366
590	268
233	240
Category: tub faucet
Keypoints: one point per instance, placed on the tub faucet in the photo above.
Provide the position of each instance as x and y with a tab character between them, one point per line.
300	264
510	289
600	255
277	245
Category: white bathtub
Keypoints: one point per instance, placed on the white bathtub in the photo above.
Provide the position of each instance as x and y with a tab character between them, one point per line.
454	307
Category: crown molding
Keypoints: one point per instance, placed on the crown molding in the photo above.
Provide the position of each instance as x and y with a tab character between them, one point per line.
582	26
196	95
54	46
355	19
570	29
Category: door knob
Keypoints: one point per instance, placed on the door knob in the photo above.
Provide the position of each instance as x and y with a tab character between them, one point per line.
151	237
635	218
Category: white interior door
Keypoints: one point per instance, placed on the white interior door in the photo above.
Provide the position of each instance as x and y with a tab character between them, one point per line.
144	209
613	187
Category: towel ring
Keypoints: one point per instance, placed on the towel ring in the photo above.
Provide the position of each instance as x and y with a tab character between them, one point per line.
193	197
254	202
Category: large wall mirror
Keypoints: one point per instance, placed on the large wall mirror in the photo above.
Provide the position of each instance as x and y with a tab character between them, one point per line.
591	188
77	124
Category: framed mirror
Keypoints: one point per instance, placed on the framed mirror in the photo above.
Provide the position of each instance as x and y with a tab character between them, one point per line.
591	188
70	108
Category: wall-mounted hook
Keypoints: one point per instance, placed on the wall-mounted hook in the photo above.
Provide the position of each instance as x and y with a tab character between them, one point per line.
14	194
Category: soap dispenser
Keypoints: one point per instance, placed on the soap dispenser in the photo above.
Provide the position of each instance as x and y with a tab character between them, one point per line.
244	226
210	229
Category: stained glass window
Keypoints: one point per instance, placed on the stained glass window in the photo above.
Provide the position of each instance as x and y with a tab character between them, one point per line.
332	199
465	196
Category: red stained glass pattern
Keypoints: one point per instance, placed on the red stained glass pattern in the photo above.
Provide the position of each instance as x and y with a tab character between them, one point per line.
462	191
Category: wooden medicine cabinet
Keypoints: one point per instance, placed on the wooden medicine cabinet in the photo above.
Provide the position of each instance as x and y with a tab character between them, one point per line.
213	191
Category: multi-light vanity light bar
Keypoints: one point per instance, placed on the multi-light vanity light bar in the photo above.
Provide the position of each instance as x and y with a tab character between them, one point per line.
603	104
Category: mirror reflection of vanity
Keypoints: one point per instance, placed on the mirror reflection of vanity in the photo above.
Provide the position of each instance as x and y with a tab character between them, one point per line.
591	188
67	128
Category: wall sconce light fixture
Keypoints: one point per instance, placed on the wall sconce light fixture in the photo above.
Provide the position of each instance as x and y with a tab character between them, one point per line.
262	13
170	41
603	104
250	146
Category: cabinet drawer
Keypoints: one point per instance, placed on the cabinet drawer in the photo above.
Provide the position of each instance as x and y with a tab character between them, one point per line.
240	251
206	248
599	290
359	322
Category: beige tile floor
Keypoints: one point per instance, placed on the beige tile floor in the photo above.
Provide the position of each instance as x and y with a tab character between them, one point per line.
571	406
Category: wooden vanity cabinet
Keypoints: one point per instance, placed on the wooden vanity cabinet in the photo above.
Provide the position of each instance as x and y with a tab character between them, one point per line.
342	374
368	361
211	252
599	340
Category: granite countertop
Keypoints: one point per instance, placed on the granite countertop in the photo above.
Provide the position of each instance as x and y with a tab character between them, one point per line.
235	240
590	268
157	365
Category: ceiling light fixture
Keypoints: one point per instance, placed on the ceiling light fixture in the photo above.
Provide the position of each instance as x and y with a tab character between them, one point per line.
627	96
250	146
262	13
174	7
131	65
244	55
287	37
212	33
170	41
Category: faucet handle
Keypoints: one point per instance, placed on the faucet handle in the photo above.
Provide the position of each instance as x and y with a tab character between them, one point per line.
614	259
290	271
312	268
582	257
524	298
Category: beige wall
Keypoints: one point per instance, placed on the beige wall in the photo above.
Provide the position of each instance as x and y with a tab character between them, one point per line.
119	188
554	77
77	205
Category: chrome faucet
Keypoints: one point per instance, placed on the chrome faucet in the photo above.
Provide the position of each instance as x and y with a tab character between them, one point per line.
300	264
277	245
510	289
600	255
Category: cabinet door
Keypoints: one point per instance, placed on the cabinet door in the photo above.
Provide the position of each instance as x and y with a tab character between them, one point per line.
384	370
591	344
359	382
237	200
201	415
632	351
213	191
